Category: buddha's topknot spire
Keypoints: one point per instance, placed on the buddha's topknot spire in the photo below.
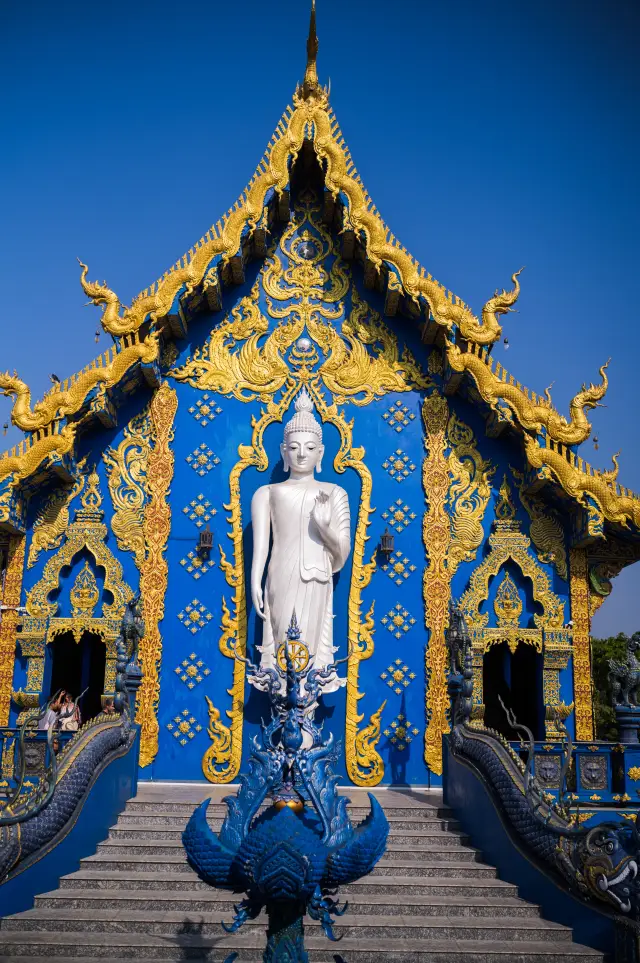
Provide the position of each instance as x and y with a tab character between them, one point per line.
310	85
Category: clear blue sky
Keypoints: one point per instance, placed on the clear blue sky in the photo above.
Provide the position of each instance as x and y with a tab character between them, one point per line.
490	134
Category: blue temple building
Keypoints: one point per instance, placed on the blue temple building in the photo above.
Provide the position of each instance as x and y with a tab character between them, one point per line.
136	475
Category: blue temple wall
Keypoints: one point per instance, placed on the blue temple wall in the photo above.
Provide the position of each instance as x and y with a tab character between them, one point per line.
192	666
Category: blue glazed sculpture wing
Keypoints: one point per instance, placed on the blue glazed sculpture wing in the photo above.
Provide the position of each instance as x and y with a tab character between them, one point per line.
361	851
205	853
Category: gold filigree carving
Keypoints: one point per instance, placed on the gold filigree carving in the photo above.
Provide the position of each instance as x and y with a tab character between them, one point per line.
436	534
126	468
365	748
85	594
52	521
361	362
87	531
547	533
507	604
469	493
153	573
579	584
244	372
508	544
9	621
217	755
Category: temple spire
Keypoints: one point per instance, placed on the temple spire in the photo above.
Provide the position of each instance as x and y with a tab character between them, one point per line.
310	85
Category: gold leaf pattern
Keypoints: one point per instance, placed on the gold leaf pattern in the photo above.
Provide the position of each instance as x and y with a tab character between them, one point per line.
579	585
52	521
9	622
126	468
153	574
469	493
436	534
547	533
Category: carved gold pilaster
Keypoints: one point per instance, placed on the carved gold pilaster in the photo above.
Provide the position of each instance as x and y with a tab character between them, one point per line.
436	580
153	573
579	576
9	622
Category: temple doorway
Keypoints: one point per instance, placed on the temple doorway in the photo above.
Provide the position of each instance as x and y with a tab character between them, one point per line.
77	666
517	678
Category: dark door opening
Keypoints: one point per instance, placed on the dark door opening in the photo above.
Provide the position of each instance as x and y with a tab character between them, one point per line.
79	666
517	679
66	671
93	666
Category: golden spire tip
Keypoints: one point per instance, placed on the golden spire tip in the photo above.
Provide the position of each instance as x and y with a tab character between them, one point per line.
311	73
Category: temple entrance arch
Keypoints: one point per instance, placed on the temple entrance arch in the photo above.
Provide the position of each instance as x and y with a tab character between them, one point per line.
532	647
517	678
77	666
91	613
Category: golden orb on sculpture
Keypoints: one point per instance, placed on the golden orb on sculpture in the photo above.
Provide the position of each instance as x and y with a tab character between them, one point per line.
296	805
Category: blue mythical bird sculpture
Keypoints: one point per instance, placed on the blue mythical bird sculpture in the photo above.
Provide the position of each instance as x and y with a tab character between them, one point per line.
290	856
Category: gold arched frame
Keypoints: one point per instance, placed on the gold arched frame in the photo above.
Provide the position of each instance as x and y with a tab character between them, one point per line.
221	761
550	636
40	624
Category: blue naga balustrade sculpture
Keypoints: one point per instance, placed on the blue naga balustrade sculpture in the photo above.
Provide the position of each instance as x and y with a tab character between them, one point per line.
291	856
598	864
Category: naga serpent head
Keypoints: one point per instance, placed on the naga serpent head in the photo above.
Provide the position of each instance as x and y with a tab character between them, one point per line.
10	384
590	397
611	867
99	293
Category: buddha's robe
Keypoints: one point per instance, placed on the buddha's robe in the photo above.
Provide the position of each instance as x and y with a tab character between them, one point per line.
300	572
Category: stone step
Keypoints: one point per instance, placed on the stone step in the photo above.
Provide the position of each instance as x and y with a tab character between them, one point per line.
457	852
139	832
208	925
219	810
145	947
96	880
360	904
127	820
429	865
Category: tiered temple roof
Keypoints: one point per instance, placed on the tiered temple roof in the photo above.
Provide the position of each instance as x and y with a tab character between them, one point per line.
308	132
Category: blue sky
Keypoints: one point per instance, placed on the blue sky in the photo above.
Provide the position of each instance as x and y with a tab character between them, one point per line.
490	135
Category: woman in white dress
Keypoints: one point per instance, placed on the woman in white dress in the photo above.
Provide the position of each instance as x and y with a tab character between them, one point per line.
69	716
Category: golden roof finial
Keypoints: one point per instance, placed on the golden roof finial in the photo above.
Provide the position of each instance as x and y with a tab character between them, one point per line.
310	85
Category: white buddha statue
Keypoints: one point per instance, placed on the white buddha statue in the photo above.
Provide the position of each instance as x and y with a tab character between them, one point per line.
310	526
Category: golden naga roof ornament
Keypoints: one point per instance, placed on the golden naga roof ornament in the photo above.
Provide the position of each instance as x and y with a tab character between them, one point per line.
66	399
532	414
112	321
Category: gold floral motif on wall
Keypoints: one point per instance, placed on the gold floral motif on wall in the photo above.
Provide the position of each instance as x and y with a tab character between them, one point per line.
52	520
546	530
469	493
126	468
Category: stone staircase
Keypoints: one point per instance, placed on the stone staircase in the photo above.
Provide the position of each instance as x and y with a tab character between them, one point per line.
430	900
